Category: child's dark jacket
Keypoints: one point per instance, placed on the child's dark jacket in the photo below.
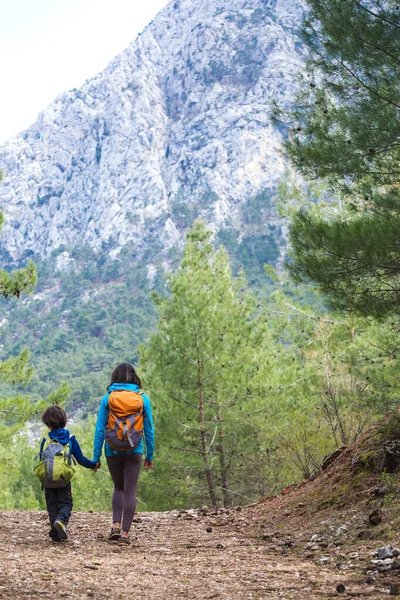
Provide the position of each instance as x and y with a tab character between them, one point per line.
63	436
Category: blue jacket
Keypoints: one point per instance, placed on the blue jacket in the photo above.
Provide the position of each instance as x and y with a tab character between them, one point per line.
102	418
63	436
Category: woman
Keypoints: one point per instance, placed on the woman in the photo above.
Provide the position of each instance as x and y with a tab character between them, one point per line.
124	413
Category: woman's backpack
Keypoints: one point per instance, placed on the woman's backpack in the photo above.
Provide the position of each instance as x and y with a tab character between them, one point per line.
54	469
124	429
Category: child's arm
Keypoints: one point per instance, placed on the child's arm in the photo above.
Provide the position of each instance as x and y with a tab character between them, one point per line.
77	453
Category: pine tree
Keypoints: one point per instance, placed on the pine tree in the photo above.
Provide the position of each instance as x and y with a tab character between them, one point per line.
15	410
346	130
199	364
327	385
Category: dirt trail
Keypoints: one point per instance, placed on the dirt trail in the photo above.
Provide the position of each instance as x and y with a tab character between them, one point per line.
172	556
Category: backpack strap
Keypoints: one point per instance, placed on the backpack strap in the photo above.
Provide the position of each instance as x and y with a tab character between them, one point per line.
143	411
125	430
40	453
69	456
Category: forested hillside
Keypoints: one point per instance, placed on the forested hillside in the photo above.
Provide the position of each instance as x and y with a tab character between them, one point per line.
285	382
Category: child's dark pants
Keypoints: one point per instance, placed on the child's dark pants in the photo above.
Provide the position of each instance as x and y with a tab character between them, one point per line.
59	506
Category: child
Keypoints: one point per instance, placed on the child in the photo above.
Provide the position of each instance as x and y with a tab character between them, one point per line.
59	500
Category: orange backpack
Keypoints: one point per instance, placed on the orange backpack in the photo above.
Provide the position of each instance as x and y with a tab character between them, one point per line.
124	429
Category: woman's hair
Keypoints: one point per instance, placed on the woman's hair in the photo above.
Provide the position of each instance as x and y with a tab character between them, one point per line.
125	373
54	417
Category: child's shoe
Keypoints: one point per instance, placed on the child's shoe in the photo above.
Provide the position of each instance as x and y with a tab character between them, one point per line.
61	530
114	534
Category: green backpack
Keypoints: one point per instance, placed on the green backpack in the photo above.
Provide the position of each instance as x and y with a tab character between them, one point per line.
54	469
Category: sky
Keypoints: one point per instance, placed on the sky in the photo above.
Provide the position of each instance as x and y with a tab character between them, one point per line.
50	46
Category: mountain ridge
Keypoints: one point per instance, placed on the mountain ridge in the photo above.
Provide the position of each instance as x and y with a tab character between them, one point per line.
174	128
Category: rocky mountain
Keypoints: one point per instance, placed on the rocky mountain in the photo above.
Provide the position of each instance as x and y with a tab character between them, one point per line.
177	126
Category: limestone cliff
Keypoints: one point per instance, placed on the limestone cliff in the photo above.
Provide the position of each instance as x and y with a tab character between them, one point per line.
177	126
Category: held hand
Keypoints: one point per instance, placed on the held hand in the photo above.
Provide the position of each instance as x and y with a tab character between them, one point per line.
148	464
97	467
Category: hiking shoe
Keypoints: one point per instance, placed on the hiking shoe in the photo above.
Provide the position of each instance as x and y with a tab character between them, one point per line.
61	530
115	534
124	541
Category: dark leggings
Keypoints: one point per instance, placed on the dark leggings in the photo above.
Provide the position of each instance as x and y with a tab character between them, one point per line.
124	470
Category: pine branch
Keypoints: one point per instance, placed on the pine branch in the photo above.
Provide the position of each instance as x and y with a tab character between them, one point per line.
376	16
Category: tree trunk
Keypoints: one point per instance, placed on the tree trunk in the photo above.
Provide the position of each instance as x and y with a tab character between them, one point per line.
222	461
203	435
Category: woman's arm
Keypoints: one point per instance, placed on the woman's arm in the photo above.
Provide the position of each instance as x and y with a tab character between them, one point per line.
148	427
102	418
